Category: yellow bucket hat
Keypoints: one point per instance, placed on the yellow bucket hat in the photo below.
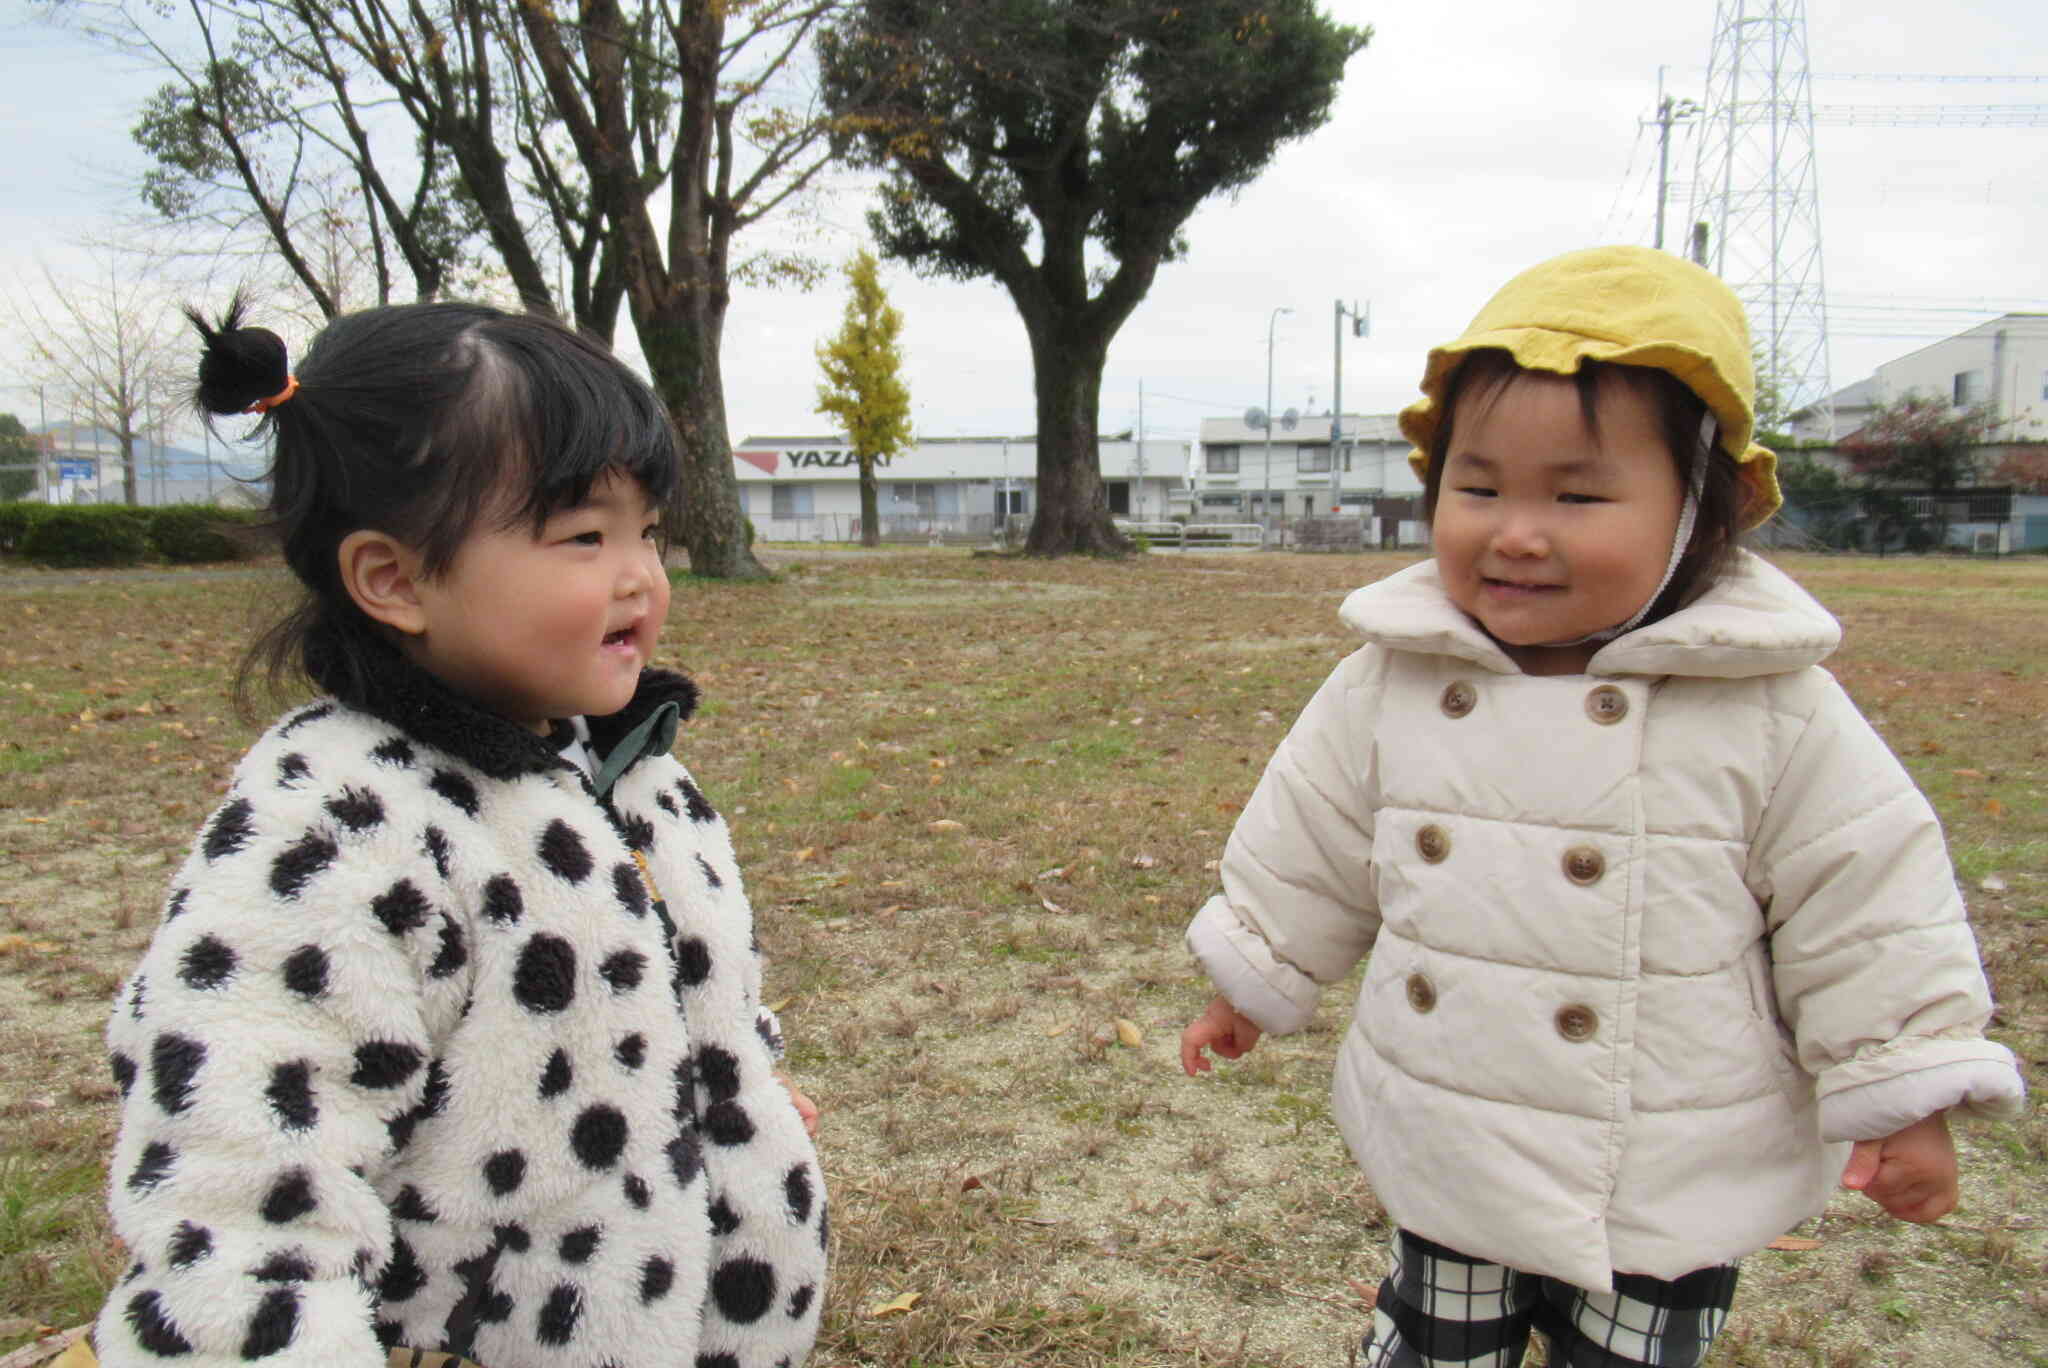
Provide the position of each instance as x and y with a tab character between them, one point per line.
1633	306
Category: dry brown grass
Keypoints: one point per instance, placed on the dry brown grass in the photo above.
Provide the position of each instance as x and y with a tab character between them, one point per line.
1050	1193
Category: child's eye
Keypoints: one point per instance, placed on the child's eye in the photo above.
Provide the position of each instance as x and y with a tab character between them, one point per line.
588	539
1580	499
651	532
1476	491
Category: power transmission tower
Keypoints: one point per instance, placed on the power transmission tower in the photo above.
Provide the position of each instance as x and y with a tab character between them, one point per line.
1756	188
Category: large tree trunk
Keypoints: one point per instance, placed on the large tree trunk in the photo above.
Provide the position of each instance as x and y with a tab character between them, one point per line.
1073	507
681	342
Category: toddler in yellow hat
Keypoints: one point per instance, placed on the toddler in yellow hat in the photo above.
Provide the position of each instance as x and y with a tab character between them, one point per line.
1665	945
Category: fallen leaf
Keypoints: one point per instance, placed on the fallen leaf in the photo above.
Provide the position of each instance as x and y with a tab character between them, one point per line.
1993	808
1991	883
1127	1031
1932	748
943	824
1968	773
895	1305
1059	1030
805	854
1367	1293
970	1184
1796	1244
1049	905
78	1354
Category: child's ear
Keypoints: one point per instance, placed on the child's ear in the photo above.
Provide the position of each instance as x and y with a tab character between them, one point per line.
382	574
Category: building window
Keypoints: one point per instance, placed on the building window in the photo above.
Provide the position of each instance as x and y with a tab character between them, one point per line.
1222	460
1231	501
1968	387
789	501
1311	460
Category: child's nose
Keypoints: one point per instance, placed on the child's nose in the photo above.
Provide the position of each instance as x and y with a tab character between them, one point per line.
1521	533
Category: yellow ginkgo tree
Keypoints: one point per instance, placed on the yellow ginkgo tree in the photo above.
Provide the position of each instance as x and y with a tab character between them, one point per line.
863	386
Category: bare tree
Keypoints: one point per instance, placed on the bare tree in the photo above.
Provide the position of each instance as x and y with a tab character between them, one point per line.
110	351
601	158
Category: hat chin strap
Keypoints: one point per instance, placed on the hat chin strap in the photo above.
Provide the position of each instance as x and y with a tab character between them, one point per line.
1687	516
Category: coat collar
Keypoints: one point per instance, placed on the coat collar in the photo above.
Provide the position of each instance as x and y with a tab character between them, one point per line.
408	697
1754	620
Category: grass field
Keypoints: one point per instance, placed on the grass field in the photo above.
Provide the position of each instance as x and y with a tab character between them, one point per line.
976	800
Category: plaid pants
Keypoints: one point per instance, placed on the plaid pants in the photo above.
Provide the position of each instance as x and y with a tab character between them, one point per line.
1440	1309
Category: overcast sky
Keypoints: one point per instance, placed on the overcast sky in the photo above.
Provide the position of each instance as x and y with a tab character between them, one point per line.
1470	140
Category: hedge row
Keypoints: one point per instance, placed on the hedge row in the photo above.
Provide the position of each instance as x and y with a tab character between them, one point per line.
75	535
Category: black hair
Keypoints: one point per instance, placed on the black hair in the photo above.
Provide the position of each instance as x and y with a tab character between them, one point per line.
1487	372
421	421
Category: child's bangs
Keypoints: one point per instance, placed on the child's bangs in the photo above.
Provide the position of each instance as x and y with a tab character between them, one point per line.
568	412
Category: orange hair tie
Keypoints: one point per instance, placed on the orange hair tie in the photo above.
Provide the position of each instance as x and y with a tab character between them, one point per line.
291	387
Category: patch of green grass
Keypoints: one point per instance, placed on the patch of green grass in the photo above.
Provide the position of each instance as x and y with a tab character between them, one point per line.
55	1264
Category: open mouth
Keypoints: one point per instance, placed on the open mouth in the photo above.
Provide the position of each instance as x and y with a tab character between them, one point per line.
622	637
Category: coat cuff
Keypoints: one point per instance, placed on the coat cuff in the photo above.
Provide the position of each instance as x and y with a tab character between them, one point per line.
1976	1076
1277	997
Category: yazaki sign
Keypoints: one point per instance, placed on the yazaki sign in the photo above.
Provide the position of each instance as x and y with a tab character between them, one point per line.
805	458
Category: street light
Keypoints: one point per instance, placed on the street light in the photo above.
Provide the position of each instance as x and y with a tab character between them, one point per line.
1266	494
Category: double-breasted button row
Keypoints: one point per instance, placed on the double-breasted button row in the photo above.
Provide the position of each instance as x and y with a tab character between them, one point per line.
1575	1021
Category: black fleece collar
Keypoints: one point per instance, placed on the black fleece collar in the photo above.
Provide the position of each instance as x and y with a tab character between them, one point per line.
410	698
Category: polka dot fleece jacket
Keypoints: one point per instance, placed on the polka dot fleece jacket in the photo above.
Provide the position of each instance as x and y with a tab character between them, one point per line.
415	1059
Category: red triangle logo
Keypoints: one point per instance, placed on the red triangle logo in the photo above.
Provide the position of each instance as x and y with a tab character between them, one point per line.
763	461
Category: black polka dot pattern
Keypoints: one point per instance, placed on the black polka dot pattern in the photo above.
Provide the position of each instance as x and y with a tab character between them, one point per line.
435	842
153	1329
305	971
800	1300
623	970
638	1195
174	906
631	1051
291	1095
411	1206
699	808
630	889
457	789
286	1266
207	964
796	1191
395	751
290	1197
545	979
685	1160
502	901
291	769
564	853
402	1277
598	1137
402	908
579	1244
153	1167
174	1061
124	1072
743	1289
558	1316
693	962
189	1244
291	871
385	1064
557	1075
230	830
452	952
357	809
710	874
505	1171
272	1327
657	1277
305	717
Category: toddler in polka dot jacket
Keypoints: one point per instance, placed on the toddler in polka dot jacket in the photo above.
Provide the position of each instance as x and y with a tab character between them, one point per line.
451	1035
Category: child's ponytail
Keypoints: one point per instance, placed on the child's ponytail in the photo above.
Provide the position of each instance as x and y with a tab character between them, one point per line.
243	369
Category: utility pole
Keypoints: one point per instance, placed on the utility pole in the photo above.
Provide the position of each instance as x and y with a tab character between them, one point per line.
1361	325
1266	494
1138	466
1670	110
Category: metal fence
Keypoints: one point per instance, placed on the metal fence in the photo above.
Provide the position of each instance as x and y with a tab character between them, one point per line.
1981	521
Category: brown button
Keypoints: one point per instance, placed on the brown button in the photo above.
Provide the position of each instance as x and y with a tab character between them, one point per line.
1433	843
1421	993
1584	865
1607	705
1459	699
1577	1022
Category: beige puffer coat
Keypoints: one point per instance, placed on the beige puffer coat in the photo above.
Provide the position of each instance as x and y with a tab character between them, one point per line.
1647	944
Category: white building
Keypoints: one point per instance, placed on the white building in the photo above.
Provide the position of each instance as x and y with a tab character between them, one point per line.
808	488
2002	364
1242	472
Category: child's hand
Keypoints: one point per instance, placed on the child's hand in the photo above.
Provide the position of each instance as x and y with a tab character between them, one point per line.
1911	1174
805	1108
1219	1028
